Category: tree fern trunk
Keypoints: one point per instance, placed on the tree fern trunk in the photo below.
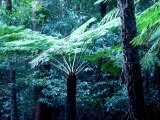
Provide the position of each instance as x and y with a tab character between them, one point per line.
14	110
132	66
71	97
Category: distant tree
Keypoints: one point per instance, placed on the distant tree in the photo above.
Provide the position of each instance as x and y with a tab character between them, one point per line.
43	110
8	4
131	59
103	8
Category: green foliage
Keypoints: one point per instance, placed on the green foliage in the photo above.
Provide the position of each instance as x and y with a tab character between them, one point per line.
148	17
77	39
112	59
113	14
71	43
19	15
119	100
149	36
19	40
93	41
146	35
54	92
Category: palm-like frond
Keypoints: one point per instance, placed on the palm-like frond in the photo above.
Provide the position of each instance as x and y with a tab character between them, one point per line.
149	37
74	42
149	17
113	14
147	34
100	1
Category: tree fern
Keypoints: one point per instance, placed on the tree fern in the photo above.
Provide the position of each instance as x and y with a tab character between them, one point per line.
27	40
74	42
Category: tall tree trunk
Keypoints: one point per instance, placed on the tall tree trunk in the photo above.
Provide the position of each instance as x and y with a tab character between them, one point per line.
157	76
14	111
71	97
132	66
43	110
8	5
103	9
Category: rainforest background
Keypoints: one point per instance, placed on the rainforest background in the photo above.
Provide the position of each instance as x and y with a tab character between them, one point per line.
79	59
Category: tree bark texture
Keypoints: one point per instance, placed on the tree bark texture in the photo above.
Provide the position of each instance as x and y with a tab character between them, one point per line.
131	58
71	97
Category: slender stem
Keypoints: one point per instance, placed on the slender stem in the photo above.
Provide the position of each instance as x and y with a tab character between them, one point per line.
81	53
65	61
81	68
62	65
60	68
74	62
70	60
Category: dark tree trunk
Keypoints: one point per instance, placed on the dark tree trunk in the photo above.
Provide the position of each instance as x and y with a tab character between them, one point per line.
132	66
8	5
71	97
157	77
43	111
14	111
103	9
0	116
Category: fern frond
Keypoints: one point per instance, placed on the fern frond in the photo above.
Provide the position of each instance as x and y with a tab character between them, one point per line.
100	1
149	17
113	14
146	34
74	42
